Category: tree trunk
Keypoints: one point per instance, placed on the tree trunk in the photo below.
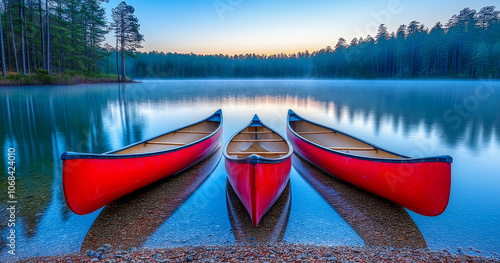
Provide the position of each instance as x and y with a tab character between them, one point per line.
27	42
21	22
122	47
42	35
33	49
117	64
7	39
13	40
4	71
48	35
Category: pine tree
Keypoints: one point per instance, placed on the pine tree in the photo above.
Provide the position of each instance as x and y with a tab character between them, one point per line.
126	27
4	72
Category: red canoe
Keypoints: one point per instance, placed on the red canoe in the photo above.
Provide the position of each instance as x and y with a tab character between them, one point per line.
91	181
258	164
419	184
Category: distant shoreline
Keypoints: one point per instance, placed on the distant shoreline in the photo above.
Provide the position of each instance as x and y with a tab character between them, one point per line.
44	79
79	80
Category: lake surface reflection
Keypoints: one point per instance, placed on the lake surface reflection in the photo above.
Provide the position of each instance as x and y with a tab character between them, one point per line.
416	118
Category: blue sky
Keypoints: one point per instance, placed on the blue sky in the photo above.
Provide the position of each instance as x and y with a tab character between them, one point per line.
275	26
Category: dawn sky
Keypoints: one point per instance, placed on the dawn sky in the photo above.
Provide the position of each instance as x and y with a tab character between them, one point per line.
276	26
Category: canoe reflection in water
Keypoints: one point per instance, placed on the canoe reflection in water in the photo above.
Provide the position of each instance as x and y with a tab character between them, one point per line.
130	220
376	220
272	226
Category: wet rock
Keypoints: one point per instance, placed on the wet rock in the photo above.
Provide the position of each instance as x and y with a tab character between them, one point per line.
332	258
104	249
189	258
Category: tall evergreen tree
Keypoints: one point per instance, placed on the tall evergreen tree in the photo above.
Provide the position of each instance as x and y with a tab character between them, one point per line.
126	27
47	11
4	72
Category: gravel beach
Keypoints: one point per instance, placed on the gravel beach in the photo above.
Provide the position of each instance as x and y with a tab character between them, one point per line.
277	252
387	229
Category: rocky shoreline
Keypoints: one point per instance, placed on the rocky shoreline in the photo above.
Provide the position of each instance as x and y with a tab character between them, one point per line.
276	252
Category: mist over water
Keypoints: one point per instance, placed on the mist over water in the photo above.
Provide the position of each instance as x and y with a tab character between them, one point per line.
416	118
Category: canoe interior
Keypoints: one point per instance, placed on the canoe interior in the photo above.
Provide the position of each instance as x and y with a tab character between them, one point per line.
337	141
174	139
258	140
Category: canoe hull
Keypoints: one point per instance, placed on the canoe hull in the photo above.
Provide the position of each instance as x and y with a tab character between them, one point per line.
258	185
90	184
271	227
422	187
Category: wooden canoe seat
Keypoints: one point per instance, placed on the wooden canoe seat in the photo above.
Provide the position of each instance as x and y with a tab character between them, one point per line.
167	143
315	132
257	132
198	132
261	140
352	149
259	153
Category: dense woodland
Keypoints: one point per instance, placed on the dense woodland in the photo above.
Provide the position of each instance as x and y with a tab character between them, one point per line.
467	46
68	36
173	65
55	35
45	38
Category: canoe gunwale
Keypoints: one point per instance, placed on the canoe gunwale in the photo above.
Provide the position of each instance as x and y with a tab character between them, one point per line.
405	159
111	155
254	158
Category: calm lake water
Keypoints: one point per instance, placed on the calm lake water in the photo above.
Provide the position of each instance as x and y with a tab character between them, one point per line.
416	118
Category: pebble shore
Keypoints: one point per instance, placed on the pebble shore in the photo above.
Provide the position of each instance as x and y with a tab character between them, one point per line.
277	252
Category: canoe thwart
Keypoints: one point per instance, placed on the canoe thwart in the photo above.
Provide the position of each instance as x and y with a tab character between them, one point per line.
199	132
257	132
315	132
262	140
167	143
258	153
352	149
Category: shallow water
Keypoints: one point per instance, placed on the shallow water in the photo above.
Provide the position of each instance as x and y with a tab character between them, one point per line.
416	118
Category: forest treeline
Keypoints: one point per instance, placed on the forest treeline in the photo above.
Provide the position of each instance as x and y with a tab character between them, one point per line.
173	65
68	36
467	46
